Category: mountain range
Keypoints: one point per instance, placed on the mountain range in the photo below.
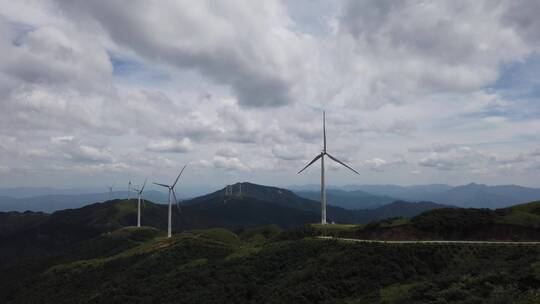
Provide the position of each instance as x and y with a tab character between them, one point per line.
54	202
347	197
37	233
355	199
469	196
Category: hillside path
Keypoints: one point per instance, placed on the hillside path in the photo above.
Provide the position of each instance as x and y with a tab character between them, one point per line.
431	242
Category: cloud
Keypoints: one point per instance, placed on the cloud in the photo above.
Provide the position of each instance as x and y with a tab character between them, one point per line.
375	164
398	127
424	48
535	152
436	147
73	150
381	165
495	119
240	87
523	17
229	164
460	158
288	152
227	152
244	45
171	146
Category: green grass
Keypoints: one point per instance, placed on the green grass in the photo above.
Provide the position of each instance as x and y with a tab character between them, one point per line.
218	234
193	264
396	294
532	207
343	230
125	207
260	234
244	251
395	222
336	227
521	218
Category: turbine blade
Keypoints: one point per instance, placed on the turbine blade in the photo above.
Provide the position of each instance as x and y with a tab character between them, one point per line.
135	189
162	185
143	185
340	162
324	130
314	160
178	176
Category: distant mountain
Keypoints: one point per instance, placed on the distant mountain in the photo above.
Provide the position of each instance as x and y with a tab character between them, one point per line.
415	193
482	196
471	195
184	191
289	199
348	199
54	202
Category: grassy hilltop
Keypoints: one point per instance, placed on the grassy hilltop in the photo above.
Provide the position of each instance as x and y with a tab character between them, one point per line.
516	223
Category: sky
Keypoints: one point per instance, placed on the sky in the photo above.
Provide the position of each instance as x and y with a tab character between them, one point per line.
100	92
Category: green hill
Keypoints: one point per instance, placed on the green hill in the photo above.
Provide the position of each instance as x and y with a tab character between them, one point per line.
516	223
216	266
31	234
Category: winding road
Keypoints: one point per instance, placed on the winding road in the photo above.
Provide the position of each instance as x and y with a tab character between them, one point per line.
432	241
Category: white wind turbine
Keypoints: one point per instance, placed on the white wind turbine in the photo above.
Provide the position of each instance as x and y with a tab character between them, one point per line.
139	192
171	196
321	156
110	191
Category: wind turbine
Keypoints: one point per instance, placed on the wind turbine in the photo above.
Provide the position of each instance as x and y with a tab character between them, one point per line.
139	192
110	191
171	196
129	189
321	156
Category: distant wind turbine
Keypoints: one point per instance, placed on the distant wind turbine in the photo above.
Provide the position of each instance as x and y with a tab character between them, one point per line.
129	190
171	196
140	194
110	191
321	156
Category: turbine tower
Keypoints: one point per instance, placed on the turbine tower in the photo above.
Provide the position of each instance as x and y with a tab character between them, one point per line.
321	156
171	196
110	191
129	189
139	192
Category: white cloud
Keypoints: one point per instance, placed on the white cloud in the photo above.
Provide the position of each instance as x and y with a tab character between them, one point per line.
381	165
288	152
74	150
171	146
245	45
229	163
422	47
460	158
227	152
375	164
